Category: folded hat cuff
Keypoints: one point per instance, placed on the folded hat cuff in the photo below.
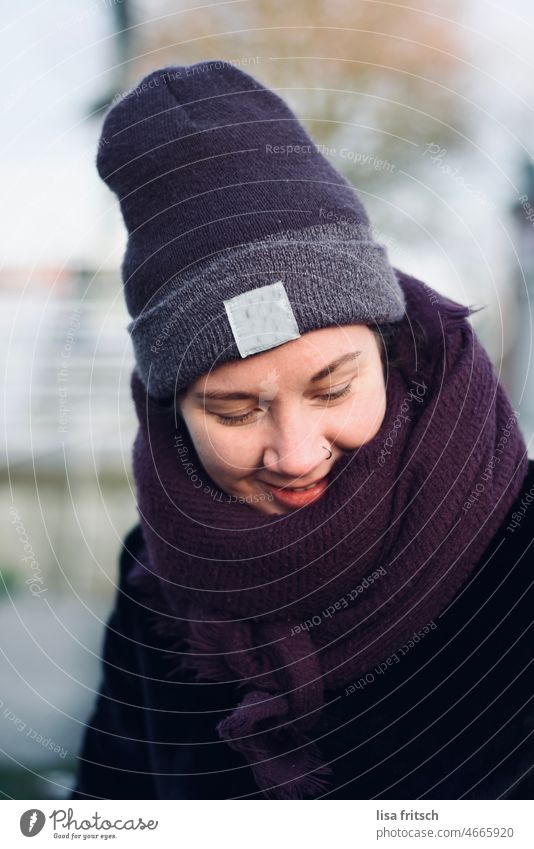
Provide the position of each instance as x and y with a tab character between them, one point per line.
334	274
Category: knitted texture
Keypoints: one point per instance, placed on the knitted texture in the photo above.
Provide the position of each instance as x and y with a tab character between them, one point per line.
222	191
275	603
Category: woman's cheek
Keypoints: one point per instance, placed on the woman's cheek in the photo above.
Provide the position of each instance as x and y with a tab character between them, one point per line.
227	449
376	408
363	418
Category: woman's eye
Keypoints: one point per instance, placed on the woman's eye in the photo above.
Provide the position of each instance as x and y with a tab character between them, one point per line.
245	417
232	420
332	396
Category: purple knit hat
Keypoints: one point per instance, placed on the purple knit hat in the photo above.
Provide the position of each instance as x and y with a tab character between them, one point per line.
241	235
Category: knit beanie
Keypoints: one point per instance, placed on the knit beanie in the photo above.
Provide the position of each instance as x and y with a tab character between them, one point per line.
241	235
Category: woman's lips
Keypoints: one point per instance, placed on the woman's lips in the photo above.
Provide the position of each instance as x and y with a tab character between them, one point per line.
298	498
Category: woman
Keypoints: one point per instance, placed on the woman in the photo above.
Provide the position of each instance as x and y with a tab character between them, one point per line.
328	593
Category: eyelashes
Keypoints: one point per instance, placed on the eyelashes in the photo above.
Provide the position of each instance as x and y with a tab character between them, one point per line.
332	396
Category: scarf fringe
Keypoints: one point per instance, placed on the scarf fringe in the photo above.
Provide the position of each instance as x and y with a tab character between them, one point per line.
313	775
309	786
308	774
264	749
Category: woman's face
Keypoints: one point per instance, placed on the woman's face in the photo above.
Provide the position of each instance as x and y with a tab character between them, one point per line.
262	426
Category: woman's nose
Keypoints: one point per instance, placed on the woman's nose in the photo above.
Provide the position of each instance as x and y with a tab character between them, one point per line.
295	449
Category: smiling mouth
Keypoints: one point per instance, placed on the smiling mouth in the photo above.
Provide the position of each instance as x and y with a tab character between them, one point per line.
296	497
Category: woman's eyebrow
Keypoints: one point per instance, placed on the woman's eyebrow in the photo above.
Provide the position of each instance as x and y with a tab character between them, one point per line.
334	365
221	395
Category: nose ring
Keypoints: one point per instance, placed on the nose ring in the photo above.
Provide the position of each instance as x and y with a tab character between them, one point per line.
328	449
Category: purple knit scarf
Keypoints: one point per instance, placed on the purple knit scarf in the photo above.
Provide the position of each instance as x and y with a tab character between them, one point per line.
291	606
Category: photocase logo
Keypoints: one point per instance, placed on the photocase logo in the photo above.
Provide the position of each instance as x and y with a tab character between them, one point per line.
31	822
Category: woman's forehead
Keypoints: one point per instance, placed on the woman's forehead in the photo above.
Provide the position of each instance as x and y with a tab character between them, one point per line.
303	357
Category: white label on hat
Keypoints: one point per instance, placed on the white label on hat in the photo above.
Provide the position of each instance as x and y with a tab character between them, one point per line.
261	318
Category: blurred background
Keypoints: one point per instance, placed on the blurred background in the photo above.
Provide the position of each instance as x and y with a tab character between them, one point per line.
427	109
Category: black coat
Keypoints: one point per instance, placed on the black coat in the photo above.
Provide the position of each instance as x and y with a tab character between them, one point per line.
452	717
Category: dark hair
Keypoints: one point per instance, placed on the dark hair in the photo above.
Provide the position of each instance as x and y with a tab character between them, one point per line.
387	335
